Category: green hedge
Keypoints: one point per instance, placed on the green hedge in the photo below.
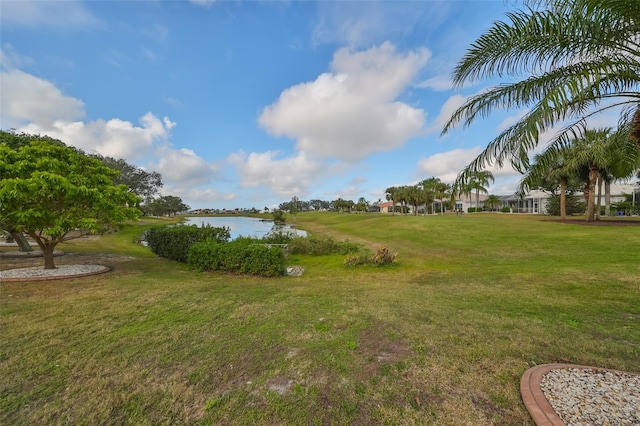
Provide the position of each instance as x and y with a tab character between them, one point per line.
242	256
174	242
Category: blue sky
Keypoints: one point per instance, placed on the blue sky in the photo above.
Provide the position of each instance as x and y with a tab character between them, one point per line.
249	103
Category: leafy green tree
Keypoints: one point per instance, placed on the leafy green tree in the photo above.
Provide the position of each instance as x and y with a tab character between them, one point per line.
294	207
278	217
139	181
575	54
362	205
15	140
55	193
167	205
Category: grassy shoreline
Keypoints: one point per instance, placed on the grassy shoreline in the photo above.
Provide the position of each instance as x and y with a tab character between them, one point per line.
442	337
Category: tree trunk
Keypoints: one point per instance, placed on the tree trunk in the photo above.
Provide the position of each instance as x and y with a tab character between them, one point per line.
599	203
607	198
22	242
591	194
47	251
563	199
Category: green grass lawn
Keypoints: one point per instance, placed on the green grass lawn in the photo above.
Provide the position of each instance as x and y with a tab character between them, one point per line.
441	337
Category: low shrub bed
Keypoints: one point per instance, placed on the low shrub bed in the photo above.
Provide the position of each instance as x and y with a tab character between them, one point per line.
243	256
174	242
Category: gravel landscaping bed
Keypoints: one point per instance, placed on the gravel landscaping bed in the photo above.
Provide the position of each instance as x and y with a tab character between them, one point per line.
585	396
60	272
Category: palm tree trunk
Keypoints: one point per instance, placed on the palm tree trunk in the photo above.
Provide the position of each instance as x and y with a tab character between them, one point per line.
607	198
599	204
563	199
591	193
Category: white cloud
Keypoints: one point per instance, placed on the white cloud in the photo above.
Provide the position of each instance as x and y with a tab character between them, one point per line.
34	14
446	111
447	165
27	98
114	138
35	106
439	83
183	166
286	176
351	111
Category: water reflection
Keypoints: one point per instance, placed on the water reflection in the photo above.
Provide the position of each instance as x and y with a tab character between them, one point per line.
243	226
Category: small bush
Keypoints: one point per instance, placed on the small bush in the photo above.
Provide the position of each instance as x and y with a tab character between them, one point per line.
174	242
278	216
506	209
277	238
381	257
242	255
361	258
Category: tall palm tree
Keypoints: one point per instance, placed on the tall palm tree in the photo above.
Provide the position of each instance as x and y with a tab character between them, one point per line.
430	188
549	167
442	191
478	182
391	194
577	54
602	152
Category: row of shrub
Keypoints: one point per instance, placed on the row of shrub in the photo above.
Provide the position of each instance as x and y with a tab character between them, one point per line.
174	242
209	249
241	256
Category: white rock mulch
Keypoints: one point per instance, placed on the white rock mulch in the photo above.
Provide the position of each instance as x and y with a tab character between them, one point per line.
585	397
39	273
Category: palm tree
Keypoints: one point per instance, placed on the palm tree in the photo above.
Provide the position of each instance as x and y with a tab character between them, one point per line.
430	188
548	168
492	202
443	190
577	54
391	194
478	182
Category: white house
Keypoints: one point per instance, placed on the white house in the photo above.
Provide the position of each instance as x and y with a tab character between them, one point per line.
536	201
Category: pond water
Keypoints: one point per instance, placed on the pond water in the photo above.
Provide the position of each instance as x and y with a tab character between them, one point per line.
243	226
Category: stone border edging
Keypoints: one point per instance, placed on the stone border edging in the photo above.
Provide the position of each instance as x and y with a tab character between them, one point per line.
533	397
58	277
537	404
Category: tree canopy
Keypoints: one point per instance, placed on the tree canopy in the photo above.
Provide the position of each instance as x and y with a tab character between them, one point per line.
579	57
56	193
139	181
